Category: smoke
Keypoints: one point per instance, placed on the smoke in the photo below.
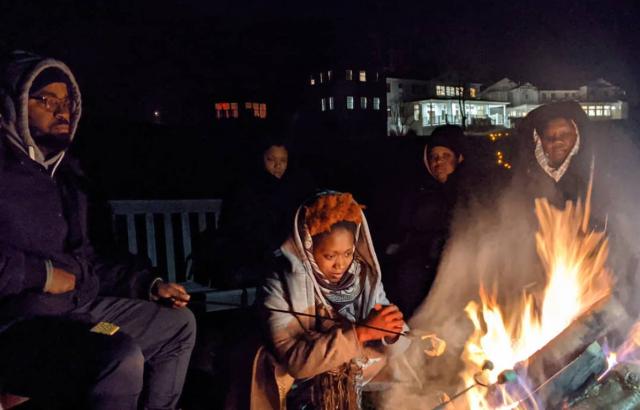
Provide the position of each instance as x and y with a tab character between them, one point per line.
492	243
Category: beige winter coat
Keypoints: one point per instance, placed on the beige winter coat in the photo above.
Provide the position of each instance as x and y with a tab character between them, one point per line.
300	350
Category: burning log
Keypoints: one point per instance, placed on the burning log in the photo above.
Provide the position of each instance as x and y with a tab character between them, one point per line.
572	359
620	390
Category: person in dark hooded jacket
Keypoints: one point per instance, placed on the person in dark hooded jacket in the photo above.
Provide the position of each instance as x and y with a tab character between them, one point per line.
255	220
74	327
555	154
424	219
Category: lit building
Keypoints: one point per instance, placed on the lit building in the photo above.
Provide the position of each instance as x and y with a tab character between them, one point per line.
234	110
600	99
430	113
418	105
347	101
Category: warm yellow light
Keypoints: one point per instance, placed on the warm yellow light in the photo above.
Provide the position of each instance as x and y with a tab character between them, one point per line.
575	259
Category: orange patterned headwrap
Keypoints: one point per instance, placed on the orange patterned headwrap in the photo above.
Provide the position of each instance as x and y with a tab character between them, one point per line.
330	209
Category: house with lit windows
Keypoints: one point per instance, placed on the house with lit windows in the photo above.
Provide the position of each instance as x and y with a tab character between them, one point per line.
355	102
599	99
418	106
240	109
347	101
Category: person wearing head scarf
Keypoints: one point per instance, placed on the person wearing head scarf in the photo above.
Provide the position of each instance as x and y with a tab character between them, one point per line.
322	358
555	154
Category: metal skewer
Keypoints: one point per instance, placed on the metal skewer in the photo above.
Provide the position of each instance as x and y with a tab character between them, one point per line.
292	312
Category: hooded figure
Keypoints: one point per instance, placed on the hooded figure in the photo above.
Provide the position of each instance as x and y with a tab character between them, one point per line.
424	219
323	362
256	219
555	154
54	287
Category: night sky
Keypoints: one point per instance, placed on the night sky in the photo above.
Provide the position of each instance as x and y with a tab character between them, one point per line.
132	57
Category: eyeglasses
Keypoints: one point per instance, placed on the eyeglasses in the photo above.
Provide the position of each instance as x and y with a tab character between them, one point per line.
54	104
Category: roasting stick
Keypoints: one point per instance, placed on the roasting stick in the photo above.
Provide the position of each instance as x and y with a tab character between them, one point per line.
294	313
478	381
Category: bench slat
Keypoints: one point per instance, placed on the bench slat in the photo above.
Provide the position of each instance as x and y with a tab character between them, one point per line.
151	239
202	221
131	234
186	234
168	238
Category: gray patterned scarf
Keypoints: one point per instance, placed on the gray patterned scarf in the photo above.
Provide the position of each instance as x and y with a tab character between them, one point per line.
339	294
543	160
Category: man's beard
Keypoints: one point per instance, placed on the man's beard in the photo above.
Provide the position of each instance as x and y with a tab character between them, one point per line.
51	144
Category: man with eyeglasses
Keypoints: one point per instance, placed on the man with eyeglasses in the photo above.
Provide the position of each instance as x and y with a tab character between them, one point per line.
75	328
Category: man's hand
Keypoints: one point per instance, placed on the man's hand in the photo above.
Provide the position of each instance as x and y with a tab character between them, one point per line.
387	318
60	281
172	292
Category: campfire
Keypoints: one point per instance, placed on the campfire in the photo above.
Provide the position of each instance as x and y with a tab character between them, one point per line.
549	350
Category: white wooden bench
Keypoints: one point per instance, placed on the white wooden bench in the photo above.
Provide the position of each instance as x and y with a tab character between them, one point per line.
164	230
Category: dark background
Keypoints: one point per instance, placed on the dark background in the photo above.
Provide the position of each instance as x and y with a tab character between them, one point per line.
179	57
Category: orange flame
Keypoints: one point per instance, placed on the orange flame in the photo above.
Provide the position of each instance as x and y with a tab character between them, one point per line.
574	259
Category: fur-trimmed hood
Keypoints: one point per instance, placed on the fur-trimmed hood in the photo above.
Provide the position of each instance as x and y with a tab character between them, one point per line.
18	74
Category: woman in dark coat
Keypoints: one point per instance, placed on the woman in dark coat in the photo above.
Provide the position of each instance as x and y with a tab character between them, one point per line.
256	219
425	216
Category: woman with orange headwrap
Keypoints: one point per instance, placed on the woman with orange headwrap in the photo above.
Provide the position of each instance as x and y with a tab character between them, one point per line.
322	363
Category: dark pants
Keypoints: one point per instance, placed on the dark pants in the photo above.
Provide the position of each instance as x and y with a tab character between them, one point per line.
58	360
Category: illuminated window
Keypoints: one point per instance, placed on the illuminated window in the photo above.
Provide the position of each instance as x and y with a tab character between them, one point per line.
329	75
363	103
599	111
607	111
323	104
473	92
449	91
321	77
389	112
459	91
440	90
416	112
331	103
349	103
312	81
363	76
376	103
226	110
263	111
349	75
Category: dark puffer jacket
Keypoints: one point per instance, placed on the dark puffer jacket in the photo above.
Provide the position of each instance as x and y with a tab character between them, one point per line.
44	212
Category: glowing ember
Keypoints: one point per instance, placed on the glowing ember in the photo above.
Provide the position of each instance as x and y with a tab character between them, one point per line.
612	360
574	259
